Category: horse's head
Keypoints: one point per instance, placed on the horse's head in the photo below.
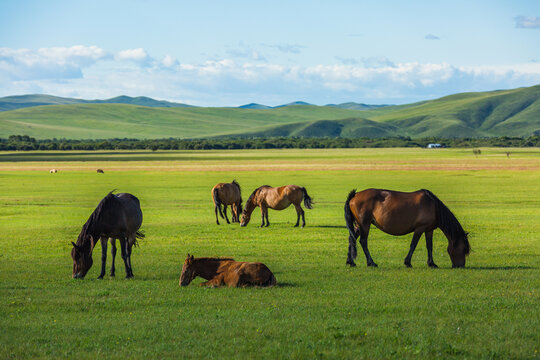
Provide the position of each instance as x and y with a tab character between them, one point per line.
188	272
458	250
246	216
82	261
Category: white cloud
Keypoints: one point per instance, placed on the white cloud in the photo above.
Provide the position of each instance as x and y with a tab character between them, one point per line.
431	37
56	62
138	54
91	72
527	22
169	62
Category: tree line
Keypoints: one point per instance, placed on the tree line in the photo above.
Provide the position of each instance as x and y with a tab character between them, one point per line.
27	143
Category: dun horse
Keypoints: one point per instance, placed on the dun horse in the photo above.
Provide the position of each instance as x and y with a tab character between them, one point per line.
227	194
226	271
117	217
400	213
277	198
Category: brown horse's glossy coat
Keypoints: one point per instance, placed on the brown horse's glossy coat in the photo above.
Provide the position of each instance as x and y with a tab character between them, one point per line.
226	272
277	198
399	213
227	194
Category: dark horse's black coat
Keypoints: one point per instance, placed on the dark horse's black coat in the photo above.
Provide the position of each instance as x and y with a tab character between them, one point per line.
117	217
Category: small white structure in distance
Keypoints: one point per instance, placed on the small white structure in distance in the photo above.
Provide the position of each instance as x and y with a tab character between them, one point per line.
434	146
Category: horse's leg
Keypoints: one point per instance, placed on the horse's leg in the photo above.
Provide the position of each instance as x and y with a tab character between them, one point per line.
216	211
129	248
350	260
364	232
113	254
103	256
429	246
266	214
299	212
123	248
262	215
225	211
414	242
214	282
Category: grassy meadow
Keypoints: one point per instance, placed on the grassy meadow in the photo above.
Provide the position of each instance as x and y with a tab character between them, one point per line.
320	308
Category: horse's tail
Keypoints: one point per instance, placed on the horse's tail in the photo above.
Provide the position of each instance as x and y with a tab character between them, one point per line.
139	234
448	222
217	202
349	220
308	201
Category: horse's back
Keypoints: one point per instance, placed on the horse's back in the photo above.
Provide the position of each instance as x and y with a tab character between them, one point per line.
131	209
228	193
394	212
252	273
279	198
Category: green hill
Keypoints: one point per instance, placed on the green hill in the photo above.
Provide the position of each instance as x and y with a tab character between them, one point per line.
496	113
84	121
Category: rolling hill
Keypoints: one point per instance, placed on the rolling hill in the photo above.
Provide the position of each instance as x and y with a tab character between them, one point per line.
513	112
22	101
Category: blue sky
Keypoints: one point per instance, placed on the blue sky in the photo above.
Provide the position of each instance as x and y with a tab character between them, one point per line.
229	53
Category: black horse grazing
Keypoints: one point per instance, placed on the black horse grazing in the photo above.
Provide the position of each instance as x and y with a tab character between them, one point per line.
400	213
117	217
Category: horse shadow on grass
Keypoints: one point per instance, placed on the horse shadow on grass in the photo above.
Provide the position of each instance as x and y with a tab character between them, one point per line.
504	268
329	226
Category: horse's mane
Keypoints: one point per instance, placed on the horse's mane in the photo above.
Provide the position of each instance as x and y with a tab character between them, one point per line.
449	224
254	192
89	226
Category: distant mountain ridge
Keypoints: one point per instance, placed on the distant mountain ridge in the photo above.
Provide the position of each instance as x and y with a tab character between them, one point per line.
514	112
22	101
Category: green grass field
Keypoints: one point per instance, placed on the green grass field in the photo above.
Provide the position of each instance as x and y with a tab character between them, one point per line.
320	308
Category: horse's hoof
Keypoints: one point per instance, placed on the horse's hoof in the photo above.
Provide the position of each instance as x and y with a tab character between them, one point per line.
296	225
100	277
372	264
433	266
408	265
111	274
351	264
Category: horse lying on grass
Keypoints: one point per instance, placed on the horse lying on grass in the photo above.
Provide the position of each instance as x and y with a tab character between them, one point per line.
226	272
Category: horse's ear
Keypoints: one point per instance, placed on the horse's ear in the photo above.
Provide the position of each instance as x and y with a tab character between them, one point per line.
75	245
191	257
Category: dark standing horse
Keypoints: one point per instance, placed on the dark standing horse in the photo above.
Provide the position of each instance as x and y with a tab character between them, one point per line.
277	198
226	271
227	194
400	213
117	217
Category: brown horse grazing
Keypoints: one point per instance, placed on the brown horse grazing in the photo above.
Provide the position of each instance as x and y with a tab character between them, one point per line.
226	271
400	213
117	217
227	194
277	198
